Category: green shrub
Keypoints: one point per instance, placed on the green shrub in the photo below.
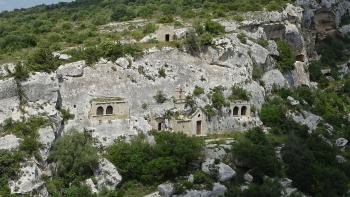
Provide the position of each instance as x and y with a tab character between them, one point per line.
205	39
257	154
209	111
160	97
171	156
66	115
286	58
214	27
122	13
43	60
198	91
218	98
272	113
21	72
149	28
9	167
238	93
161	72
242	37
191	43
258	72
166	19
262	42
74	156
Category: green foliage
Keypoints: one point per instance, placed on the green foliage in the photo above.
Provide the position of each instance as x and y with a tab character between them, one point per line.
218	98
213	27
273	113
21	72
191	43
258	154
122	13
27	130
66	115
43	60
166	19
75	157
269	188
242	37
161	72
286	58
169	157
9	166
149	28
238	93
333	50
198	91
262	42
209	111
205	39
312	167
258	72
160	97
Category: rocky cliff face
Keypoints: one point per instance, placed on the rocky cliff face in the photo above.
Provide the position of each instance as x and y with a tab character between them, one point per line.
230	61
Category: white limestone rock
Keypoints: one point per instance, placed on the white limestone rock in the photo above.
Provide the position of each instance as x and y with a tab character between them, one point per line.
214	153
340	159
75	69
9	100
218	190
259	54
107	175
148	38
272	48
9	142
8	88
46	138
341	142
294	38
305	118
207	166
123	62
225	172
7	69
61	56
154	194
292	101
41	86
29	179
166	189
248	177
274	77
300	74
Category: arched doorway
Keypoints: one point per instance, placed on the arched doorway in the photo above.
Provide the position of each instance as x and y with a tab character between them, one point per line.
244	111
109	110
235	111
99	111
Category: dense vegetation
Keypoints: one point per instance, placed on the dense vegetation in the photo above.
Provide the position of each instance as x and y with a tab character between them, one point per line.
171	156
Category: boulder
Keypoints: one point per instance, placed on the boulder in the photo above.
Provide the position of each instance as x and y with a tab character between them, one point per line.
9	142
300	75
166	189
274	78
340	159
8	88
207	165
214	153
292	101
46	138
294	38
41	86
259	54
305	118
106	175
225	172
75	69
218	190
272	48
29	179
7	69
341	142
123	62
248	177
61	56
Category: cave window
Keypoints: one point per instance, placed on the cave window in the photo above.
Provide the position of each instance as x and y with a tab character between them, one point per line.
244	111
99	111
109	110
167	37
235	111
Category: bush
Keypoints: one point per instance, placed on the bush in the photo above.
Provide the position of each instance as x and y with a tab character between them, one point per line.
191	43
9	167
162	73
286	57
75	156
160	97
238	93
43	60
218	98
171	156
255	152
66	115
21	72
242	37
149	28
205	39
122	13
198	91
166	19
272	113
214	27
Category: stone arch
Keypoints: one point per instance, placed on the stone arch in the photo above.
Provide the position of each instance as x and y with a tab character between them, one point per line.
109	110
99	111
244	111
235	111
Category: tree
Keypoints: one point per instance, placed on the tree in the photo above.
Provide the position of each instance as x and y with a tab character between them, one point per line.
191	43
74	155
